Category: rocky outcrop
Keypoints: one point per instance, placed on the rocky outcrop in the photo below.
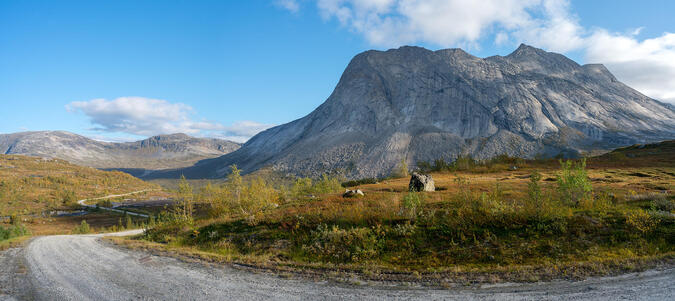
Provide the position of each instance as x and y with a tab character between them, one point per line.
421	182
158	152
422	105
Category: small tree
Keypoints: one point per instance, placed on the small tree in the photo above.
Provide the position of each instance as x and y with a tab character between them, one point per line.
67	197
151	221
14	219
534	188
327	184
255	197
573	183
401	169
535	200
186	197
301	187
130	223
83	228
235	184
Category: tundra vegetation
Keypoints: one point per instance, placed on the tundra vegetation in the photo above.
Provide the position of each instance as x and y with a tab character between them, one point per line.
31	188
31	185
485	215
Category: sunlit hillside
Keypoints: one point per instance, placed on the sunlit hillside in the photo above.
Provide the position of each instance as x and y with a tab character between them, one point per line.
31	185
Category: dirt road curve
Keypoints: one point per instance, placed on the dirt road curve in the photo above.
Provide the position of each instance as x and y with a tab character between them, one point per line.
84	203
82	267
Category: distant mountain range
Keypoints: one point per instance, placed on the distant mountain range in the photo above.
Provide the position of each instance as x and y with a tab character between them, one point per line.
158	152
420	105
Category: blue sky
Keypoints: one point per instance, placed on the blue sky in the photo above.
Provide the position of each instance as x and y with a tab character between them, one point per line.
124	70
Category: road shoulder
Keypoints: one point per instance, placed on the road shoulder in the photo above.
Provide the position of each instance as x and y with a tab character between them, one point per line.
15	281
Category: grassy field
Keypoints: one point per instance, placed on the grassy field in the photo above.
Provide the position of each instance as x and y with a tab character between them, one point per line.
503	219
506	215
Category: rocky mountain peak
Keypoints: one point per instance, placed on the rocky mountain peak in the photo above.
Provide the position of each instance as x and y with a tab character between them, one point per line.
170	137
527	50
419	105
537	60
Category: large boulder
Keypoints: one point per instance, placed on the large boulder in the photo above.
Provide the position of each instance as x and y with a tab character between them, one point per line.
421	182
352	193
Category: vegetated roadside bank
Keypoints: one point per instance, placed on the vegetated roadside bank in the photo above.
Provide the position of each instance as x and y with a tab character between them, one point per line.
521	225
454	276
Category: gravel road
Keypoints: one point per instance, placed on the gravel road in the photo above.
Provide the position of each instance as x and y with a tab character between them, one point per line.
83	267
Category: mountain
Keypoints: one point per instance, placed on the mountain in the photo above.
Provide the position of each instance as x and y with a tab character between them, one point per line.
420	105
158	152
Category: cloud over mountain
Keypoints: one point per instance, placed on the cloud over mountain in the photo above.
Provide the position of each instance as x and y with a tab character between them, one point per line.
645	64
148	117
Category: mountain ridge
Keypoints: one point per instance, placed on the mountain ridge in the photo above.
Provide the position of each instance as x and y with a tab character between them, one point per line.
156	152
416	104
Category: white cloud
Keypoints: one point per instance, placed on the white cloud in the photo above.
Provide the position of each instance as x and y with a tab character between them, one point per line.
115	139
556	30
647	65
290	5
391	23
148	117
243	130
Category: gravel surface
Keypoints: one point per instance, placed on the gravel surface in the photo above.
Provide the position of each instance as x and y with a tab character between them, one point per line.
14	280
82	267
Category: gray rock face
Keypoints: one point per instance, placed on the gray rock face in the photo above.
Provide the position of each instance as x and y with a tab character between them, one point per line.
420	182
423	105
158	152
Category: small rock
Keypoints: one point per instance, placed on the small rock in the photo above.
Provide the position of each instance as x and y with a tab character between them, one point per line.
421	182
352	193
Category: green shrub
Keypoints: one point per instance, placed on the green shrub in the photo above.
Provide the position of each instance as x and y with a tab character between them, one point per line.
573	183
411	204
334	244
14	230
129	222
600	202
302	187
327	184
68	197
83	228
255	197
463	163
663	204
14	219
151	221
641	221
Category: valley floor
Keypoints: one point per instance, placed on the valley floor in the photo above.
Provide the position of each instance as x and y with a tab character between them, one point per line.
84	267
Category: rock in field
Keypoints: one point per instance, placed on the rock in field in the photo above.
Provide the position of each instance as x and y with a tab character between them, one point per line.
352	193
420	182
